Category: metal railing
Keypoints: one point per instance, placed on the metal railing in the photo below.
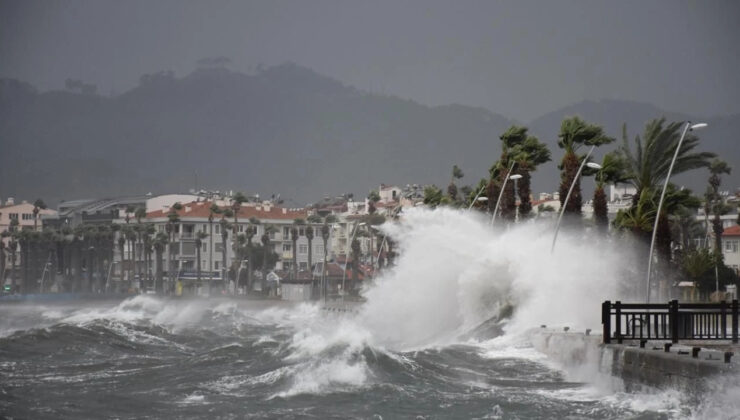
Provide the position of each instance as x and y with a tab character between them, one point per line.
673	321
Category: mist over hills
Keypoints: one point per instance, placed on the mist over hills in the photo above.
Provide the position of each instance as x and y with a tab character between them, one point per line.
285	129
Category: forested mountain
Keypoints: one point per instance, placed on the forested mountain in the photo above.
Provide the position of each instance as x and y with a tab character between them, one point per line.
284	129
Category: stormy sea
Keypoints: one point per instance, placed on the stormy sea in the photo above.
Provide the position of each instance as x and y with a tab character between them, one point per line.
444	333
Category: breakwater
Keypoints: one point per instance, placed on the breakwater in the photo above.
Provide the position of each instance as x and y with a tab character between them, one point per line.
657	364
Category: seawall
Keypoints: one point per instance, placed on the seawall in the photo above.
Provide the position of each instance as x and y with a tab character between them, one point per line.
678	367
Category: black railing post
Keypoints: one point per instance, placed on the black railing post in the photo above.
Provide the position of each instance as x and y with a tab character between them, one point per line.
606	317
723	318
618	321
734	320
673	320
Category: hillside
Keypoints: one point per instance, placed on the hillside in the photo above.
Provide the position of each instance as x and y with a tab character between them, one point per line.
284	130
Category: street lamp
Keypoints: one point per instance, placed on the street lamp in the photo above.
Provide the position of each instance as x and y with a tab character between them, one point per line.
478	197
344	271
516	210
500	194
570	190
686	128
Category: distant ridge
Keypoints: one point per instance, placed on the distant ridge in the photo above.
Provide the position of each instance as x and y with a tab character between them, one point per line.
285	129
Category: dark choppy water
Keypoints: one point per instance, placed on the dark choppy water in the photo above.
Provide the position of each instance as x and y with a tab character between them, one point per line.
152	358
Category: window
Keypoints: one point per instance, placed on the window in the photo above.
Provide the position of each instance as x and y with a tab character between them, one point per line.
27	216
301	232
215	265
303	249
13	216
303	265
319	249
203	247
219	247
731	246
272	234
286	247
286	232
218	229
188	248
175	247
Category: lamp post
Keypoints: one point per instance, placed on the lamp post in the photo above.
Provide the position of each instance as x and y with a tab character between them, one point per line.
570	190
344	271
516	210
686	128
478	198
500	194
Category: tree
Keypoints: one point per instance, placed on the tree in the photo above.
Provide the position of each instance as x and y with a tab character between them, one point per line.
13	249
325	238
224	236
38	205
294	239
647	165
432	196
309	238
161	240
373	196
139	214
213	210
575	133
236	205
716	169
355	246
612	172
251	232
528	153
266	247
198	245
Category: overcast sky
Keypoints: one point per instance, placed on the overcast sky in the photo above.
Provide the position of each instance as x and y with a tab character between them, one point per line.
516	58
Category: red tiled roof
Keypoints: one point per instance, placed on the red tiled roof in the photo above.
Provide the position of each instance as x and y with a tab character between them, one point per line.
201	209
732	231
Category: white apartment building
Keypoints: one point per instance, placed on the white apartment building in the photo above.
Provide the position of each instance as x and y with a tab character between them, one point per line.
193	218
731	247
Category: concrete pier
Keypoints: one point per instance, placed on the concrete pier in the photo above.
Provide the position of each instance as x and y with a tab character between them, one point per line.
657	364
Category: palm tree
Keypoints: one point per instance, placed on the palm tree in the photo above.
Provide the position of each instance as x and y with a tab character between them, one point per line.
236	205
131	237
140	213
13	248
528	153
224	236
198	244
716	169
355	246
3	235
213	210
251	232
161	240
575	133
37	206
151	231
309	238
266	248
173	220
294	239
612	172
647	165
325	239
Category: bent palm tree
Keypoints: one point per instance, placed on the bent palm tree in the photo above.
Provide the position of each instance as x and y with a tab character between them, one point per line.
575	133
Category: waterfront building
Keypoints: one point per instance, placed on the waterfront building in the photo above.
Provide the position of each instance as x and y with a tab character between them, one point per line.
731	247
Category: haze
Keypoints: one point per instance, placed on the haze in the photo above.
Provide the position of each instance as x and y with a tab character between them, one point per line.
518	59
